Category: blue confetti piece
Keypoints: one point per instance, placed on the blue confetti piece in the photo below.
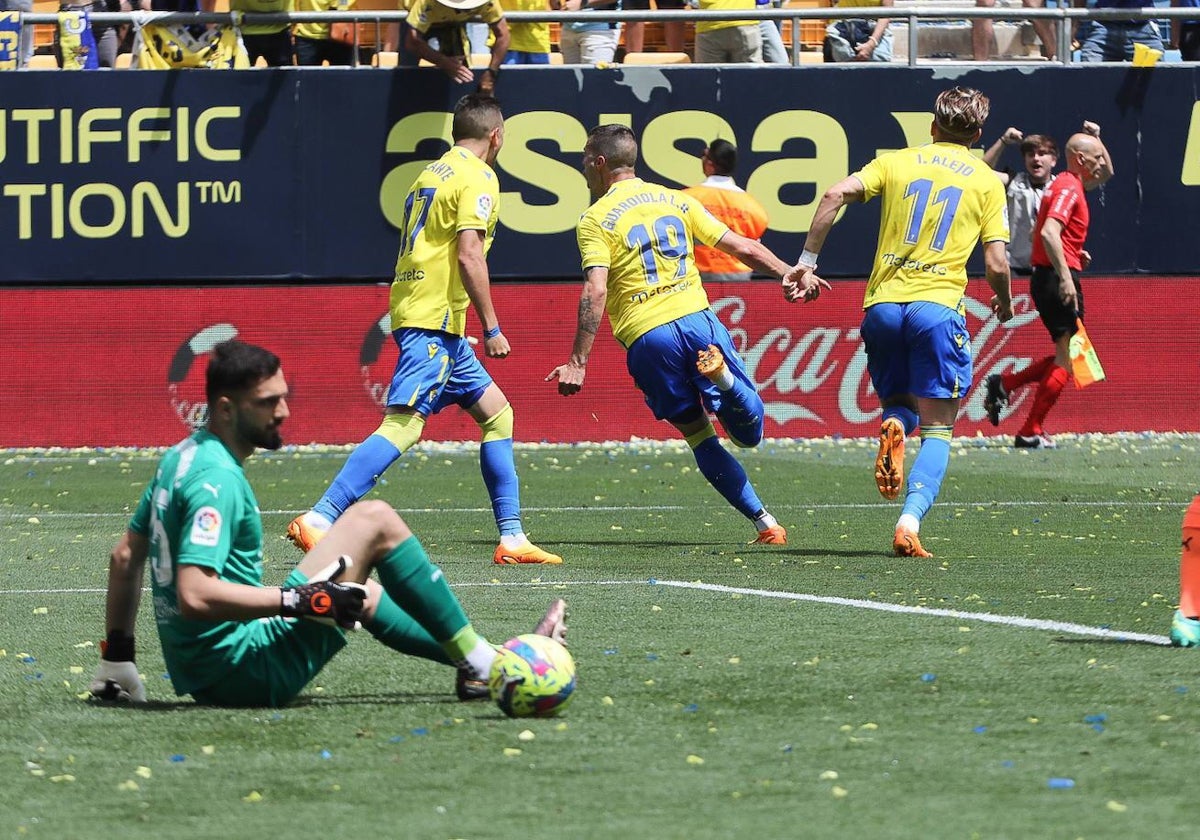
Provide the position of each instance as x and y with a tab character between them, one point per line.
420	730
651	657
326	754
610	651
979	730
653	581
1181	689
178	758
277	716
787	748
1058	783
691	707
1008	764
1097	718
166	676
28	660
1099	727
928	677
396	739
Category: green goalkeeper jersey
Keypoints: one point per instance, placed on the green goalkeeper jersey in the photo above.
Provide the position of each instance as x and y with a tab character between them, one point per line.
199	510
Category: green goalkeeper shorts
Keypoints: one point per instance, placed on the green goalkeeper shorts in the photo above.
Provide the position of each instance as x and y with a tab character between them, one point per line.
279	657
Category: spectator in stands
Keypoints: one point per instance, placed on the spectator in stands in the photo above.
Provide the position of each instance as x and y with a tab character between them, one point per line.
529	42
773	49
1058	258
730	204
589	43
860	39
1113	40
635	31
983	34
1024	190
107	36
272	41
445	21
1185	34
313	45
25	7
728	41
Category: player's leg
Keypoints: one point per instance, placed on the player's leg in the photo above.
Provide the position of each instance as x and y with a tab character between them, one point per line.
473	388
722	381
423	366
982	33
1185	627
882	330
728	477
940	368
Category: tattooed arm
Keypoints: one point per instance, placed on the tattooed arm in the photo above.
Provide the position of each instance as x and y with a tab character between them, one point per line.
591	311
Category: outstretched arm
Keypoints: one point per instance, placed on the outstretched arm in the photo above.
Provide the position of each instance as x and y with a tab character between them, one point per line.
591	312
116	677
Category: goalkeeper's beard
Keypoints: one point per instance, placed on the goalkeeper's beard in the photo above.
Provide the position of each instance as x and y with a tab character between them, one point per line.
263	438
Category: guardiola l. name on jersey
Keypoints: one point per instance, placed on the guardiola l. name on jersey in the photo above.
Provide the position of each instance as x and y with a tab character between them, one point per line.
199	510
938	201
645	236
457	192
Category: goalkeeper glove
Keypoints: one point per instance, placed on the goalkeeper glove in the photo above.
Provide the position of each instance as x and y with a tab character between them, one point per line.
116	678
325	600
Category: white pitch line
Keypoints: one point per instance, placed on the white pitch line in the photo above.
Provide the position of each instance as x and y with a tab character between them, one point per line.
991	504
834	600
882	606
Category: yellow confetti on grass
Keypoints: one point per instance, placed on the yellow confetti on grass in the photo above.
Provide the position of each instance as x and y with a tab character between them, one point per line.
870	726
128	784
606	700
143	772
828	776
208	749
526	735
511	752
41	610
252	796
63	777
839	792
76	669
695	759
735	660
1114	805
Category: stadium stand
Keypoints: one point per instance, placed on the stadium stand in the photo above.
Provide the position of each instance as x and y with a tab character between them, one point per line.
657	58
951	39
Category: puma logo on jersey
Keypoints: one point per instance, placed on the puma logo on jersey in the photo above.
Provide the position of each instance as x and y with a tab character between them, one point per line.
215	490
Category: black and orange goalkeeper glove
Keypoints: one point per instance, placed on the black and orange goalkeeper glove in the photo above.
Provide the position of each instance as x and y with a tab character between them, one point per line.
335	603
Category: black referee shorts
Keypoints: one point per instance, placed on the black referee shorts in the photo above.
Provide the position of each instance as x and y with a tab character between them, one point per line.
1058	318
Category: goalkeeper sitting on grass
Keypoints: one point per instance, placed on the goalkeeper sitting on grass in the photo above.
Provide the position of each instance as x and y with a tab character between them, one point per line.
227	639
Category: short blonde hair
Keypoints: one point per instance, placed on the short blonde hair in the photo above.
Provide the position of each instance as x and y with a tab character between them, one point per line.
960	112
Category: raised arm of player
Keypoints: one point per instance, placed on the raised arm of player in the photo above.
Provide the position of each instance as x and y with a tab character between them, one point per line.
591	312
473	268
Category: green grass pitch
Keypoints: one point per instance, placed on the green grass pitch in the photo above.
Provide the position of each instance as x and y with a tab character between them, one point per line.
725	690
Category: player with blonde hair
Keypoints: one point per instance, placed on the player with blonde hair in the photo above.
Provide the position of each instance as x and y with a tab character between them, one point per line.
938	201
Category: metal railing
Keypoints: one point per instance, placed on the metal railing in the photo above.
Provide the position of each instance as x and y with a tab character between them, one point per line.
1066	18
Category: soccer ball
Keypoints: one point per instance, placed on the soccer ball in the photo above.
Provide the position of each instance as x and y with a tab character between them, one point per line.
532	676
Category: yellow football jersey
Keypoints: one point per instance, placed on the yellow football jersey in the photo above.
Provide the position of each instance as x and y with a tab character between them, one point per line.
454	193
938	201
645	235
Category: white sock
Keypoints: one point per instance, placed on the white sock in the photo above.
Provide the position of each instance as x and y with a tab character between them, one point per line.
514	541
907	520
724	380
765	521
318	521
480	659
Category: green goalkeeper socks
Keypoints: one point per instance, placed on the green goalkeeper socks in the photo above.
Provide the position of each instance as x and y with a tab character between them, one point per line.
420	589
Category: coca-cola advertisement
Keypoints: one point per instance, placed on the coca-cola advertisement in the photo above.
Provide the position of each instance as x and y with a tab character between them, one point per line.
125	367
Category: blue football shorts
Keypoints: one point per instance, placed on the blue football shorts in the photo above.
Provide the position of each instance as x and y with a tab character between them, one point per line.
919	348
434	370
662	363
275	658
